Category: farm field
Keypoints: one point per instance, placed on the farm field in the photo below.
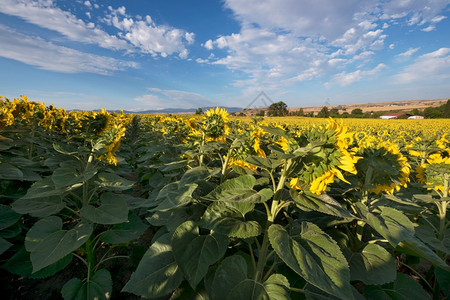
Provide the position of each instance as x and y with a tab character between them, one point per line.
99	205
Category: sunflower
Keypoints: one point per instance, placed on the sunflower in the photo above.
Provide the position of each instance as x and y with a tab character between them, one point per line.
215	124
382	167
329	159
435	171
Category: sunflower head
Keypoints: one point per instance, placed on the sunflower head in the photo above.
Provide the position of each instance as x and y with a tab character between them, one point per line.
435	171
215	123
382	168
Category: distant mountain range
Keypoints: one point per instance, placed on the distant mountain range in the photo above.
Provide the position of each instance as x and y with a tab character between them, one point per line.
174	110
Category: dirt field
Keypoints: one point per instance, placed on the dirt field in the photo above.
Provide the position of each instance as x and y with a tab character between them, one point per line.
400	106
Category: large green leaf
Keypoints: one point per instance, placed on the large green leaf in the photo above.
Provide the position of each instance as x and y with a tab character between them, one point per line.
7	217
314	256
372	265
392	224
39	207
173	195
264	162
230	221
194	253
112	210
4	245
157	273
404	288
124	232
113	182
239	190
20	264
248	289
230	273
443	278
321	203
99	286
10	172
395	226
174	217
277	287
195	175
68	176
47	242
44	188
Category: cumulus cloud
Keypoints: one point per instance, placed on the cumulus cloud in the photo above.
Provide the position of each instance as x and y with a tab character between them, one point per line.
345	79
431	66
46	15
408	52
293	41
149	37
14	45
134	35
165	98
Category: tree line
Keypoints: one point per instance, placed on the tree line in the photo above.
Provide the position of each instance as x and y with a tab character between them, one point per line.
280	109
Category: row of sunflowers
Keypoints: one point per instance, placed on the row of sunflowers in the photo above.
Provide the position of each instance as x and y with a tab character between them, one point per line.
221	207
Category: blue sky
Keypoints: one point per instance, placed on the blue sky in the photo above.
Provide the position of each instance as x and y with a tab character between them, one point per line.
144	54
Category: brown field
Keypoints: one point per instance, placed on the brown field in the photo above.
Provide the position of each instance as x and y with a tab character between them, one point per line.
397	106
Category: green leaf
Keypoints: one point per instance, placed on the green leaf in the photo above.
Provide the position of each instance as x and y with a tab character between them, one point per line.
39	207
230	273
10	172
321	203
264	162
416	247
157	274
174	217
315	256
113	210
277	287
427	234
392	224
194	253
239	190
4	245
20	264
68	176
124	232
65	149
248	289
7	217
44	188
113	182
173	195
228	220
372	265
5	143
47	242
404	288
195	175
443	278
99	286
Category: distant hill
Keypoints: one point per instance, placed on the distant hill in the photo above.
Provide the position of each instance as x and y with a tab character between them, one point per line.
174	111
399	106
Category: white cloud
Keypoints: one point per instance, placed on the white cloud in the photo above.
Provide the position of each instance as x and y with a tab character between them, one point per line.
164	98
430	67
345	79
408	52
48	56
149	37
47	15
134	35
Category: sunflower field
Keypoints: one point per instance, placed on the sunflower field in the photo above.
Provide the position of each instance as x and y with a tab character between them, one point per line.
99	205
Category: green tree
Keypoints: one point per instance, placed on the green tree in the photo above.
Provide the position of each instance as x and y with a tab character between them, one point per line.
278	109
261	113
323	113
357	111
199	111
433	112
334	112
